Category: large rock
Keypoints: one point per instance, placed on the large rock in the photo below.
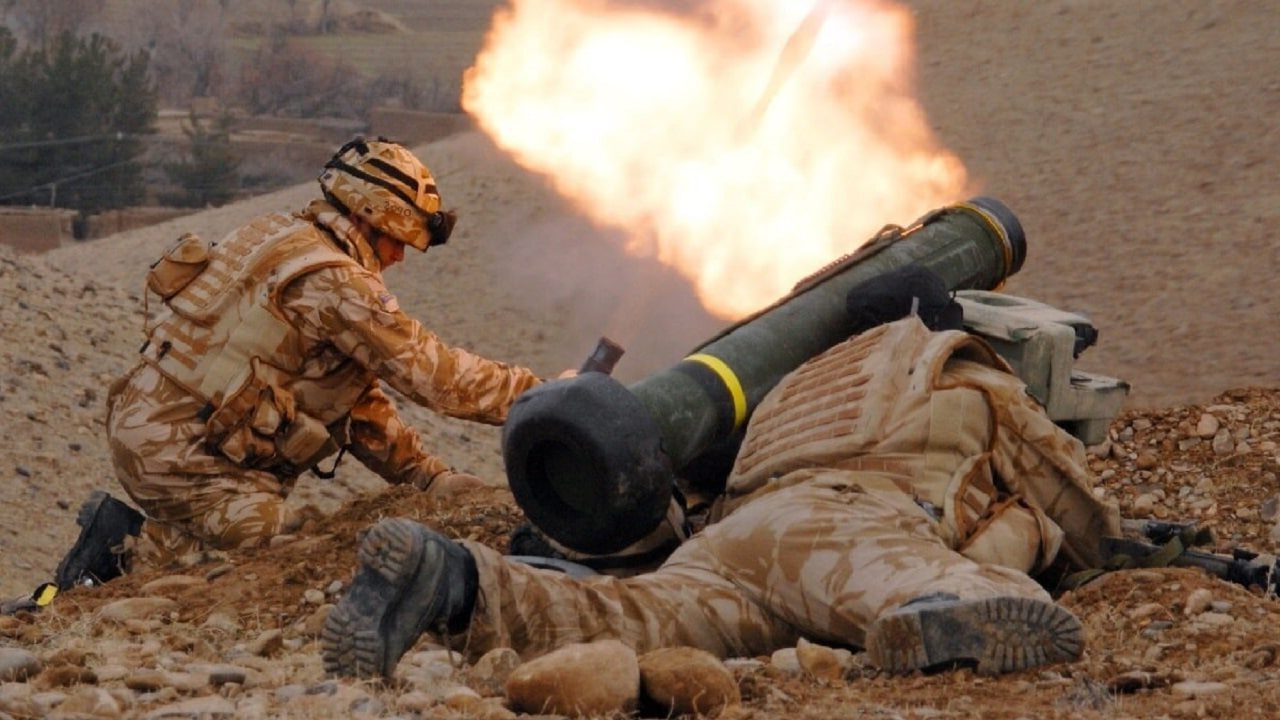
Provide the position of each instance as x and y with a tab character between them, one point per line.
684	680
599	678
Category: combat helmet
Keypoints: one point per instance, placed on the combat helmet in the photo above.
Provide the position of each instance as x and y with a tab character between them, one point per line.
381	182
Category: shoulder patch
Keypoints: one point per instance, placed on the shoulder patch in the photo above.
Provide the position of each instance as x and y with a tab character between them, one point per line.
389	302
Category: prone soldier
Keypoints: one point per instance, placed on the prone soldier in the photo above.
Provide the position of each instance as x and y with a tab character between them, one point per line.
895	493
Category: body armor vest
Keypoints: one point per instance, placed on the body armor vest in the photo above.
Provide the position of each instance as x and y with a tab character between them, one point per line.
865	405
222	337
967	445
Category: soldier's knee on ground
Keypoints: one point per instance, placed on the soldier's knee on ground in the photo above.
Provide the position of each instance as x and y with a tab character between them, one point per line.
250	523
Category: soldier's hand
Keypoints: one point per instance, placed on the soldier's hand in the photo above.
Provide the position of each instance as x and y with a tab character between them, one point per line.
449	485
570	373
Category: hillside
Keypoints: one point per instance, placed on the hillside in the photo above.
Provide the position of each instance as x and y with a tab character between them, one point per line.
1132	141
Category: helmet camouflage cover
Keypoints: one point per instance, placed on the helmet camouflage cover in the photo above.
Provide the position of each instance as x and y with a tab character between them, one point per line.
381	182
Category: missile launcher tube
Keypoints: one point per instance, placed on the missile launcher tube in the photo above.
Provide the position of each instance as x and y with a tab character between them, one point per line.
592	463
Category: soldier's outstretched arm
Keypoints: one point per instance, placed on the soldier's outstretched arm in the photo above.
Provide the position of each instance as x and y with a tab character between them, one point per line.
355	312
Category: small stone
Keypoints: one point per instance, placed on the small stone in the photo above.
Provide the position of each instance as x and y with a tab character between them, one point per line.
313	597
328	687
146	680
743	665
222	622
1214	619
136	608
1198	601
1262	657
1223	444
10	626
67	676
461	698
1135	680
1147	460
1144	504
223	674
1192	688
285	693
111	672
312	624
173	584
218	572
16	665
1208	425
267	644
415	701
1146	610
493	709
785	661
490	673
822	662
91	702
212	707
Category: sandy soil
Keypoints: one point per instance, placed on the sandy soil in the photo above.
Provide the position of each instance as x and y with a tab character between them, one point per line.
1135	142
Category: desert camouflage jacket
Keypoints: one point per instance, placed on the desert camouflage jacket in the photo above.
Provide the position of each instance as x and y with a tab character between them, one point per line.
284	328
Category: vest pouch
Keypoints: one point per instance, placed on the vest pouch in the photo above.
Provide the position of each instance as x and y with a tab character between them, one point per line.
179	265
245	425
231	428
247	448
305	442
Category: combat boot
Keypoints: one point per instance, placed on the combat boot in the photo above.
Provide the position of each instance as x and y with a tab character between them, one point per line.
99	553
410	580
997	635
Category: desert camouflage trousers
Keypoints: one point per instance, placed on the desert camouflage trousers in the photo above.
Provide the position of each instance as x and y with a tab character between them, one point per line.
192	499
821	559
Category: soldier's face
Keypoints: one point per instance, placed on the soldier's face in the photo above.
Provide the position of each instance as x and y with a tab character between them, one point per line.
389	251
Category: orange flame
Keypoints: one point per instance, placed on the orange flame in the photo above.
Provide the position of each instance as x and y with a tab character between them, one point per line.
747	145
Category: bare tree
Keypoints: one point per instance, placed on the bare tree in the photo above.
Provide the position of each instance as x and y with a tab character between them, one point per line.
39	22
188	46
326	22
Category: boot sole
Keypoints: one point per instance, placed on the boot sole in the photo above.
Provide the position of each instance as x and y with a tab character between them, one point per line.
353	639
1000	635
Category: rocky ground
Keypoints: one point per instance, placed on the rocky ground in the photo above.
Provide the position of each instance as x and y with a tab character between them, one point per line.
1130	138
236	635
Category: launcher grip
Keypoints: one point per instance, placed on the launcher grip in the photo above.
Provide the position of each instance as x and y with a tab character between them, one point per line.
604	357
